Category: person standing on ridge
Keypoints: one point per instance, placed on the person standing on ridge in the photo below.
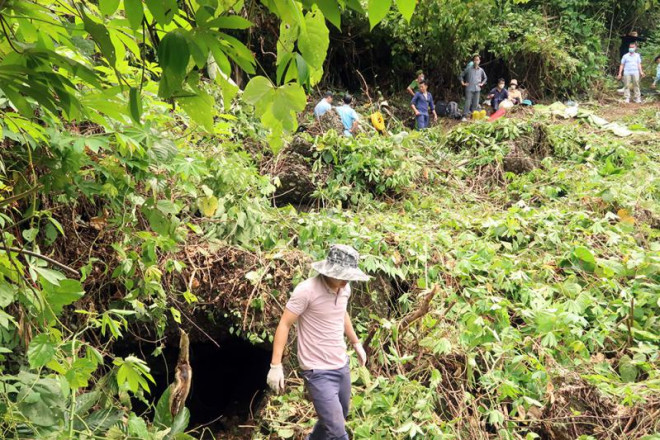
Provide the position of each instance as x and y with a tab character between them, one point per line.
631	71
414	85
324	105
421	103
319	306
473	79
349	117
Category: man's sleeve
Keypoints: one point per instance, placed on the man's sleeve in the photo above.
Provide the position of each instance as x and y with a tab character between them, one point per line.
506	94
461	77
413	101
431	104
412	85
483	76
298	301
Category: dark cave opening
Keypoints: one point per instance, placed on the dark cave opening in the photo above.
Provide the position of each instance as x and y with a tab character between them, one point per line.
228	382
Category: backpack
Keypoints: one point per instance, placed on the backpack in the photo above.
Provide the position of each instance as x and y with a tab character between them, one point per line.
442	108
453	111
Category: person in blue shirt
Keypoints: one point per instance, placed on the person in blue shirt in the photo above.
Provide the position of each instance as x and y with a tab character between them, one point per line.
498	94
421	103
324	105
348	116
656	80
631	71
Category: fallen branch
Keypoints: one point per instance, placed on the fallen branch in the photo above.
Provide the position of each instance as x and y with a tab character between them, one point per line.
421	311
19	196
42	257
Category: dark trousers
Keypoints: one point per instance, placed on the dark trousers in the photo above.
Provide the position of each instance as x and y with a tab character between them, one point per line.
330	391
471	102
422	121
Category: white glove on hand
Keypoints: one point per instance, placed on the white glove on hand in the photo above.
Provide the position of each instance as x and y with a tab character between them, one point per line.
275	378
362	355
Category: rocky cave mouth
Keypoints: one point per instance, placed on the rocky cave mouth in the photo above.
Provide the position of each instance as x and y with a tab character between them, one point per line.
228	382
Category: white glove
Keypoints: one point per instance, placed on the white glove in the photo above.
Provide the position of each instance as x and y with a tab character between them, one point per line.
275	378
361	354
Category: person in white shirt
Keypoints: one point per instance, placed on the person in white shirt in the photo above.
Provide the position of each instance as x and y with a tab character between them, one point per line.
631	71
324	105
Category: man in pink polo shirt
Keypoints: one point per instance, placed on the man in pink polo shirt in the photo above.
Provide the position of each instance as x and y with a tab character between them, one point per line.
319	306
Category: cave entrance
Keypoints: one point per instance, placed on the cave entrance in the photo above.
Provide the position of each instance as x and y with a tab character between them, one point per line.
228	383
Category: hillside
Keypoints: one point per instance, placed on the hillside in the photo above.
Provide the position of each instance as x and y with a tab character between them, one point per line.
158	198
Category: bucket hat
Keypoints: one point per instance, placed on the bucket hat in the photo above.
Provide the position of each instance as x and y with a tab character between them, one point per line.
514	82
341	263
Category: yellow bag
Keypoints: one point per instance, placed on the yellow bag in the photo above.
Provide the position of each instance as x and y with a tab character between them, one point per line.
378	121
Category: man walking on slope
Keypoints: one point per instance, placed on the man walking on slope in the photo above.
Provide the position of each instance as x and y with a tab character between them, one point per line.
319	306
473	79
631	68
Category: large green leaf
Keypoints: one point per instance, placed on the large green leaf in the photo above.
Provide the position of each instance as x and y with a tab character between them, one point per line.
162	415
229	22
585	259
7	293
134	13
179	424
41	350
257	90
331	11
101	37
173	57
200	108
314	39
108	7
135	104
63	294
406	7
378	9
163	10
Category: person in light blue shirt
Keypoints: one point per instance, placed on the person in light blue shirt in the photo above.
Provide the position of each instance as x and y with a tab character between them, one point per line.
324	105
631	70
348	116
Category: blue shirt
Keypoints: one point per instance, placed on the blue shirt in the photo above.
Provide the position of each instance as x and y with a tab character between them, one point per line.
631	62
348	116
322	108
657	74
423	103
499	95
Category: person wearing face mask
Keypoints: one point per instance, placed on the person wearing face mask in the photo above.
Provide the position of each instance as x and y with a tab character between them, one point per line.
473	78
631	70
498	94
515	95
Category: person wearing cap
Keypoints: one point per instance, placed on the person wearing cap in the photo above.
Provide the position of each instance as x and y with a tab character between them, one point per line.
324	105
473	79
318	306
414	85
515	95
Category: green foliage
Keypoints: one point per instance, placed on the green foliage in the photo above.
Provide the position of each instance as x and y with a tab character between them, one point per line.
362	166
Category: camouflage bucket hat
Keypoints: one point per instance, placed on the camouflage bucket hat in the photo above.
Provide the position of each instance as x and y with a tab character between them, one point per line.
342	264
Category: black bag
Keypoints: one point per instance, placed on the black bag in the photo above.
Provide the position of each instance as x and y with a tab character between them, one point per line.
442	108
